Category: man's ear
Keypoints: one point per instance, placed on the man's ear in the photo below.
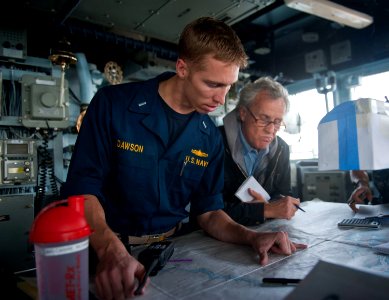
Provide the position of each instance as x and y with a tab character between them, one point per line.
181	68
242	113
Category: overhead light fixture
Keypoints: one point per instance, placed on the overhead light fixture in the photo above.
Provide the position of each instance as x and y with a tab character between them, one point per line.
263	47
262	50
332	11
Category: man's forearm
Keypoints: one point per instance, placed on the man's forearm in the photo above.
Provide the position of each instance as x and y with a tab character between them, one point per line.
220	226
102	236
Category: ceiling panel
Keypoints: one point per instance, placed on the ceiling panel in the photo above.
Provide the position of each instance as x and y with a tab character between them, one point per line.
133	29
162	19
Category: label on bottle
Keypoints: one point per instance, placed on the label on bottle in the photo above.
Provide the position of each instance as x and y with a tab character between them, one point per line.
64	249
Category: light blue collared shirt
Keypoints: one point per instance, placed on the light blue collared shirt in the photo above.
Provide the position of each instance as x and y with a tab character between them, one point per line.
251	156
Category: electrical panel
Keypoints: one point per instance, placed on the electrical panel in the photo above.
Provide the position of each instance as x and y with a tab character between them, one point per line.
18	161
13	44
340	52
315	61
334	186
16	217
45	102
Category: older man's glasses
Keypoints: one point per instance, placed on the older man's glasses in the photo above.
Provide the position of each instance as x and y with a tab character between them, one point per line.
263	121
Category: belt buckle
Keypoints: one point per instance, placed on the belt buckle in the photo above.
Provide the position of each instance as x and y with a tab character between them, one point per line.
156	238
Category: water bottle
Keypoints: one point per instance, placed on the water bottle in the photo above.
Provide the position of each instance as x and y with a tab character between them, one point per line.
60	235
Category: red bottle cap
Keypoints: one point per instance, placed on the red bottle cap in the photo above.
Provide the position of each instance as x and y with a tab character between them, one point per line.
61	223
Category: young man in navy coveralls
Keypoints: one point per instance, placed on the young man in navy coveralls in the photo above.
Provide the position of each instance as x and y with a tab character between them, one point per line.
148	149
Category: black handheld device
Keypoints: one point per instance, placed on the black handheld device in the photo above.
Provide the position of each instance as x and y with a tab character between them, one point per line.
154	258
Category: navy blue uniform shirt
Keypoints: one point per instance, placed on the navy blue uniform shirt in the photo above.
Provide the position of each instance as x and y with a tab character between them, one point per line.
121	157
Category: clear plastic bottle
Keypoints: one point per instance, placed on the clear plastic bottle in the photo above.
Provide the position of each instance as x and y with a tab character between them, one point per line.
61	238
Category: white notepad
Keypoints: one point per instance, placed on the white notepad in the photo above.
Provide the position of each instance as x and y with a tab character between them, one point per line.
243	194
383	248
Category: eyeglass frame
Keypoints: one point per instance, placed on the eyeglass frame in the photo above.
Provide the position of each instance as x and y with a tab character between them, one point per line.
277	126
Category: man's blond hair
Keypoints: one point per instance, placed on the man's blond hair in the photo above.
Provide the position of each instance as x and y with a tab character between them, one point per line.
209	36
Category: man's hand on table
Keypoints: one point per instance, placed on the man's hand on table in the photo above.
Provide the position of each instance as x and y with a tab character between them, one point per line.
276	242
118	273
359	195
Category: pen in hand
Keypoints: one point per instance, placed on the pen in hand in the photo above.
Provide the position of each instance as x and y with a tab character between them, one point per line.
142	283
298	207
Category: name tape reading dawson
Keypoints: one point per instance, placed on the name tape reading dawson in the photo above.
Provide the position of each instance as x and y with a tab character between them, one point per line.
188	159
129	146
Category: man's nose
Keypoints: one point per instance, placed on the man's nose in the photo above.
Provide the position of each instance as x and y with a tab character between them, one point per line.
270	127
220	97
